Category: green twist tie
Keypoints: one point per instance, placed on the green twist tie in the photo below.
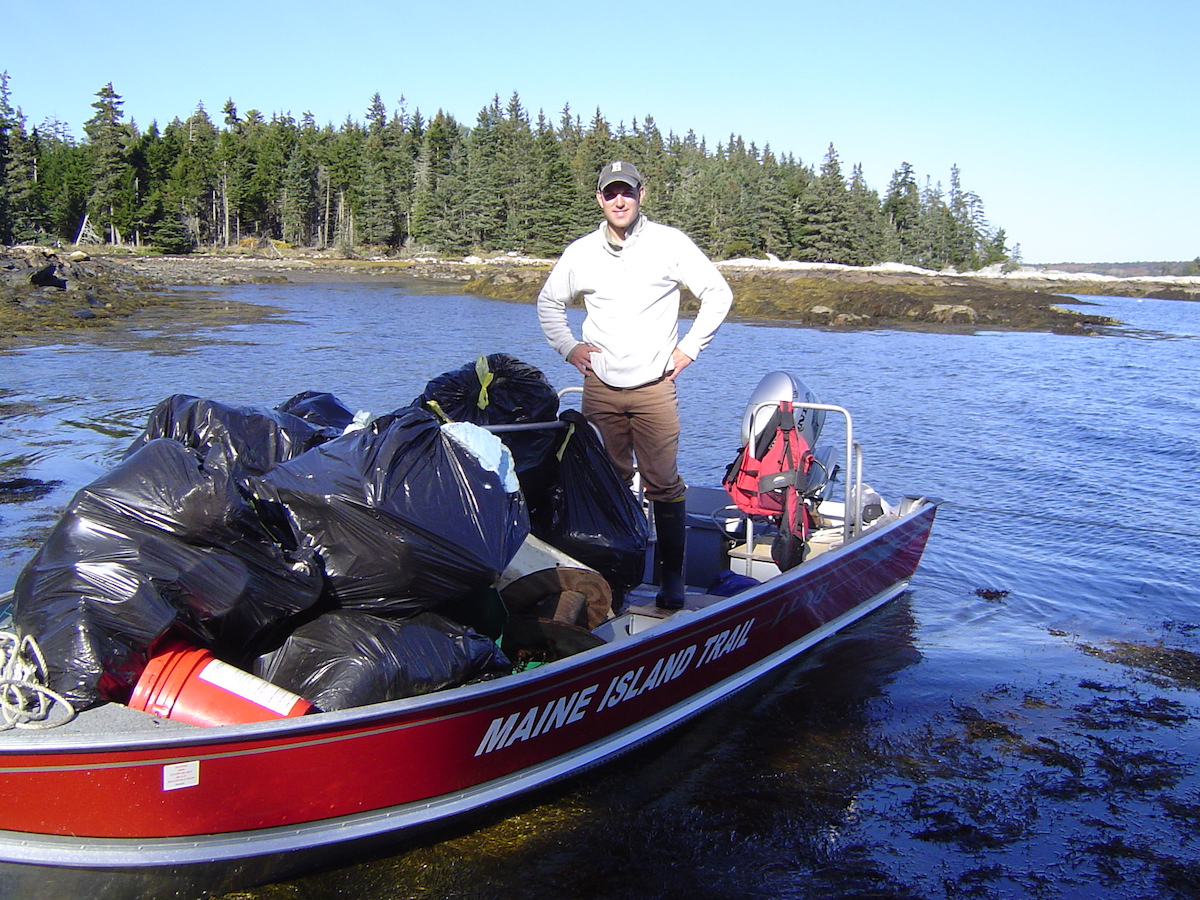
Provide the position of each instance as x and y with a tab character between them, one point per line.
485	378
562	448
437	410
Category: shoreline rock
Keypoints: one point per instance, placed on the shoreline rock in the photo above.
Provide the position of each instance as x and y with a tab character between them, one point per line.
45	291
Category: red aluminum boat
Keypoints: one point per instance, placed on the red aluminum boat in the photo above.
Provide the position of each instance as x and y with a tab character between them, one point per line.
121	803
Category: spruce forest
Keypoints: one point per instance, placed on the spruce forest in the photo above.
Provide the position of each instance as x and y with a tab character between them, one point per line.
509	182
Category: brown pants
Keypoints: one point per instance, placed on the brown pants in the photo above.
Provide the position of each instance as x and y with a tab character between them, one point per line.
641	423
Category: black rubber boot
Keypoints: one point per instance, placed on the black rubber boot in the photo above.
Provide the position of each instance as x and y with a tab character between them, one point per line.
670	525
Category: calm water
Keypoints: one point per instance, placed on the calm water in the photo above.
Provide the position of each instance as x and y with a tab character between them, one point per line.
1023	722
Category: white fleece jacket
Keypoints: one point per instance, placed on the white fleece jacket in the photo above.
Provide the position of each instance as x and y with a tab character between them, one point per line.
631	294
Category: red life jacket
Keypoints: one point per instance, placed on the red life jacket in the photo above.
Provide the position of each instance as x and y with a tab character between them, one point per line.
768	477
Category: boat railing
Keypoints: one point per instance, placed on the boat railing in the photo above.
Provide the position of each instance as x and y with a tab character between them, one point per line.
536	426
852	515
525	426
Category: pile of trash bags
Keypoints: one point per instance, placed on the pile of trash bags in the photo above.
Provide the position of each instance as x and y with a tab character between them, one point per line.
349	559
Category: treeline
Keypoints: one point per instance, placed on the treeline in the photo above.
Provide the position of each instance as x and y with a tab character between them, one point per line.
508	182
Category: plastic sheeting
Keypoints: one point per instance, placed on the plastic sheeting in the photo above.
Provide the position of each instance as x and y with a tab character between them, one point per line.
157	543
402	514
587	511
498	390
349	658
319	408
241	439
231	524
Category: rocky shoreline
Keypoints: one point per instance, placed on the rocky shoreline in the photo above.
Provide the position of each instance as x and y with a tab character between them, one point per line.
42	291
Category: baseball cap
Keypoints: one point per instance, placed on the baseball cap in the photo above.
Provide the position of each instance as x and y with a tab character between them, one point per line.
619	171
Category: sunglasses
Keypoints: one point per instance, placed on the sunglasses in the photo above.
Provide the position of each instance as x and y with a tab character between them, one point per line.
613	191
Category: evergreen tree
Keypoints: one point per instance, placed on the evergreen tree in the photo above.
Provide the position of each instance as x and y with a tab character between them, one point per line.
402	143
376	115
172	235
193	190
516	176
439	198
271	146
902	207
110	202
995	250
147	196
378	222
234	167
64	180
340	176
824	231
934	230
505	184
553	190
649	148
692	200
733	201
771	219
484	185
872	237
966	226
19	212
8	137
298	200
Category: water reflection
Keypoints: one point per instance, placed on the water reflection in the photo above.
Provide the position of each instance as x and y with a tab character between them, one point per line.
715	809
982	737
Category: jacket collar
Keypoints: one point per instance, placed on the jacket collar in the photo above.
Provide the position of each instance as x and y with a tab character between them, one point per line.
631	235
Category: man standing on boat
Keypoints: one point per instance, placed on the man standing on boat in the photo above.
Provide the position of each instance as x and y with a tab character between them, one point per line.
629	272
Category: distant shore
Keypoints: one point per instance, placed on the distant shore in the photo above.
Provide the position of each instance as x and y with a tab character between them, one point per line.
52	291
806	294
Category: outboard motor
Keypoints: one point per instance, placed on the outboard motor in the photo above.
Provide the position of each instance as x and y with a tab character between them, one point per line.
771	473
773	387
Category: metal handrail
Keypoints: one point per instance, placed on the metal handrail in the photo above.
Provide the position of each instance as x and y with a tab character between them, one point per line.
525	426
851	519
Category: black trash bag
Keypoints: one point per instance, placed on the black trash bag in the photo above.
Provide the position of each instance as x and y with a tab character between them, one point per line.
319	408
157	543
498	390
403	513
241	439
348	658
588	512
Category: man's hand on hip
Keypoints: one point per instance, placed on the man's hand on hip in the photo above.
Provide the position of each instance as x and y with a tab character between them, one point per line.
679	362
581	357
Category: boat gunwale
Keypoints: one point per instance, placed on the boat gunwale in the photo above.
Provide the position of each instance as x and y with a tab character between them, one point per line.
24	848
381	717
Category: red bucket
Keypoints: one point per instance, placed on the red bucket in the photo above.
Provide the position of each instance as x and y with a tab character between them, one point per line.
189	684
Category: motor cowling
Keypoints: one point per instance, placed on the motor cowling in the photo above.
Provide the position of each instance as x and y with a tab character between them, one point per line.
765	398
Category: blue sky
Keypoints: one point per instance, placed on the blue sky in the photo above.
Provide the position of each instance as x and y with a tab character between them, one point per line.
1077	123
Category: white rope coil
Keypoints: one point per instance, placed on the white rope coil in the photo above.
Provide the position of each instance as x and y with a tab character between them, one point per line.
25	701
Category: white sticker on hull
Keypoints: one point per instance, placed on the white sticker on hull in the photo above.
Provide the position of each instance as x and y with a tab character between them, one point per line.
181	775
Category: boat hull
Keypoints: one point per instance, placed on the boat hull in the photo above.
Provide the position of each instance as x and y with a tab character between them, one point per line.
193	810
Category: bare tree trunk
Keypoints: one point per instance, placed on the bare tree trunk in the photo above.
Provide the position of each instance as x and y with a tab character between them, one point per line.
325	230
225	200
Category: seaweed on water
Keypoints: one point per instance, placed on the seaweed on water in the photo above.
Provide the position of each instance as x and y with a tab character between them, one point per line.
1186	811
1167	666
1106	713
980	728
23	490
1136	770
993	594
